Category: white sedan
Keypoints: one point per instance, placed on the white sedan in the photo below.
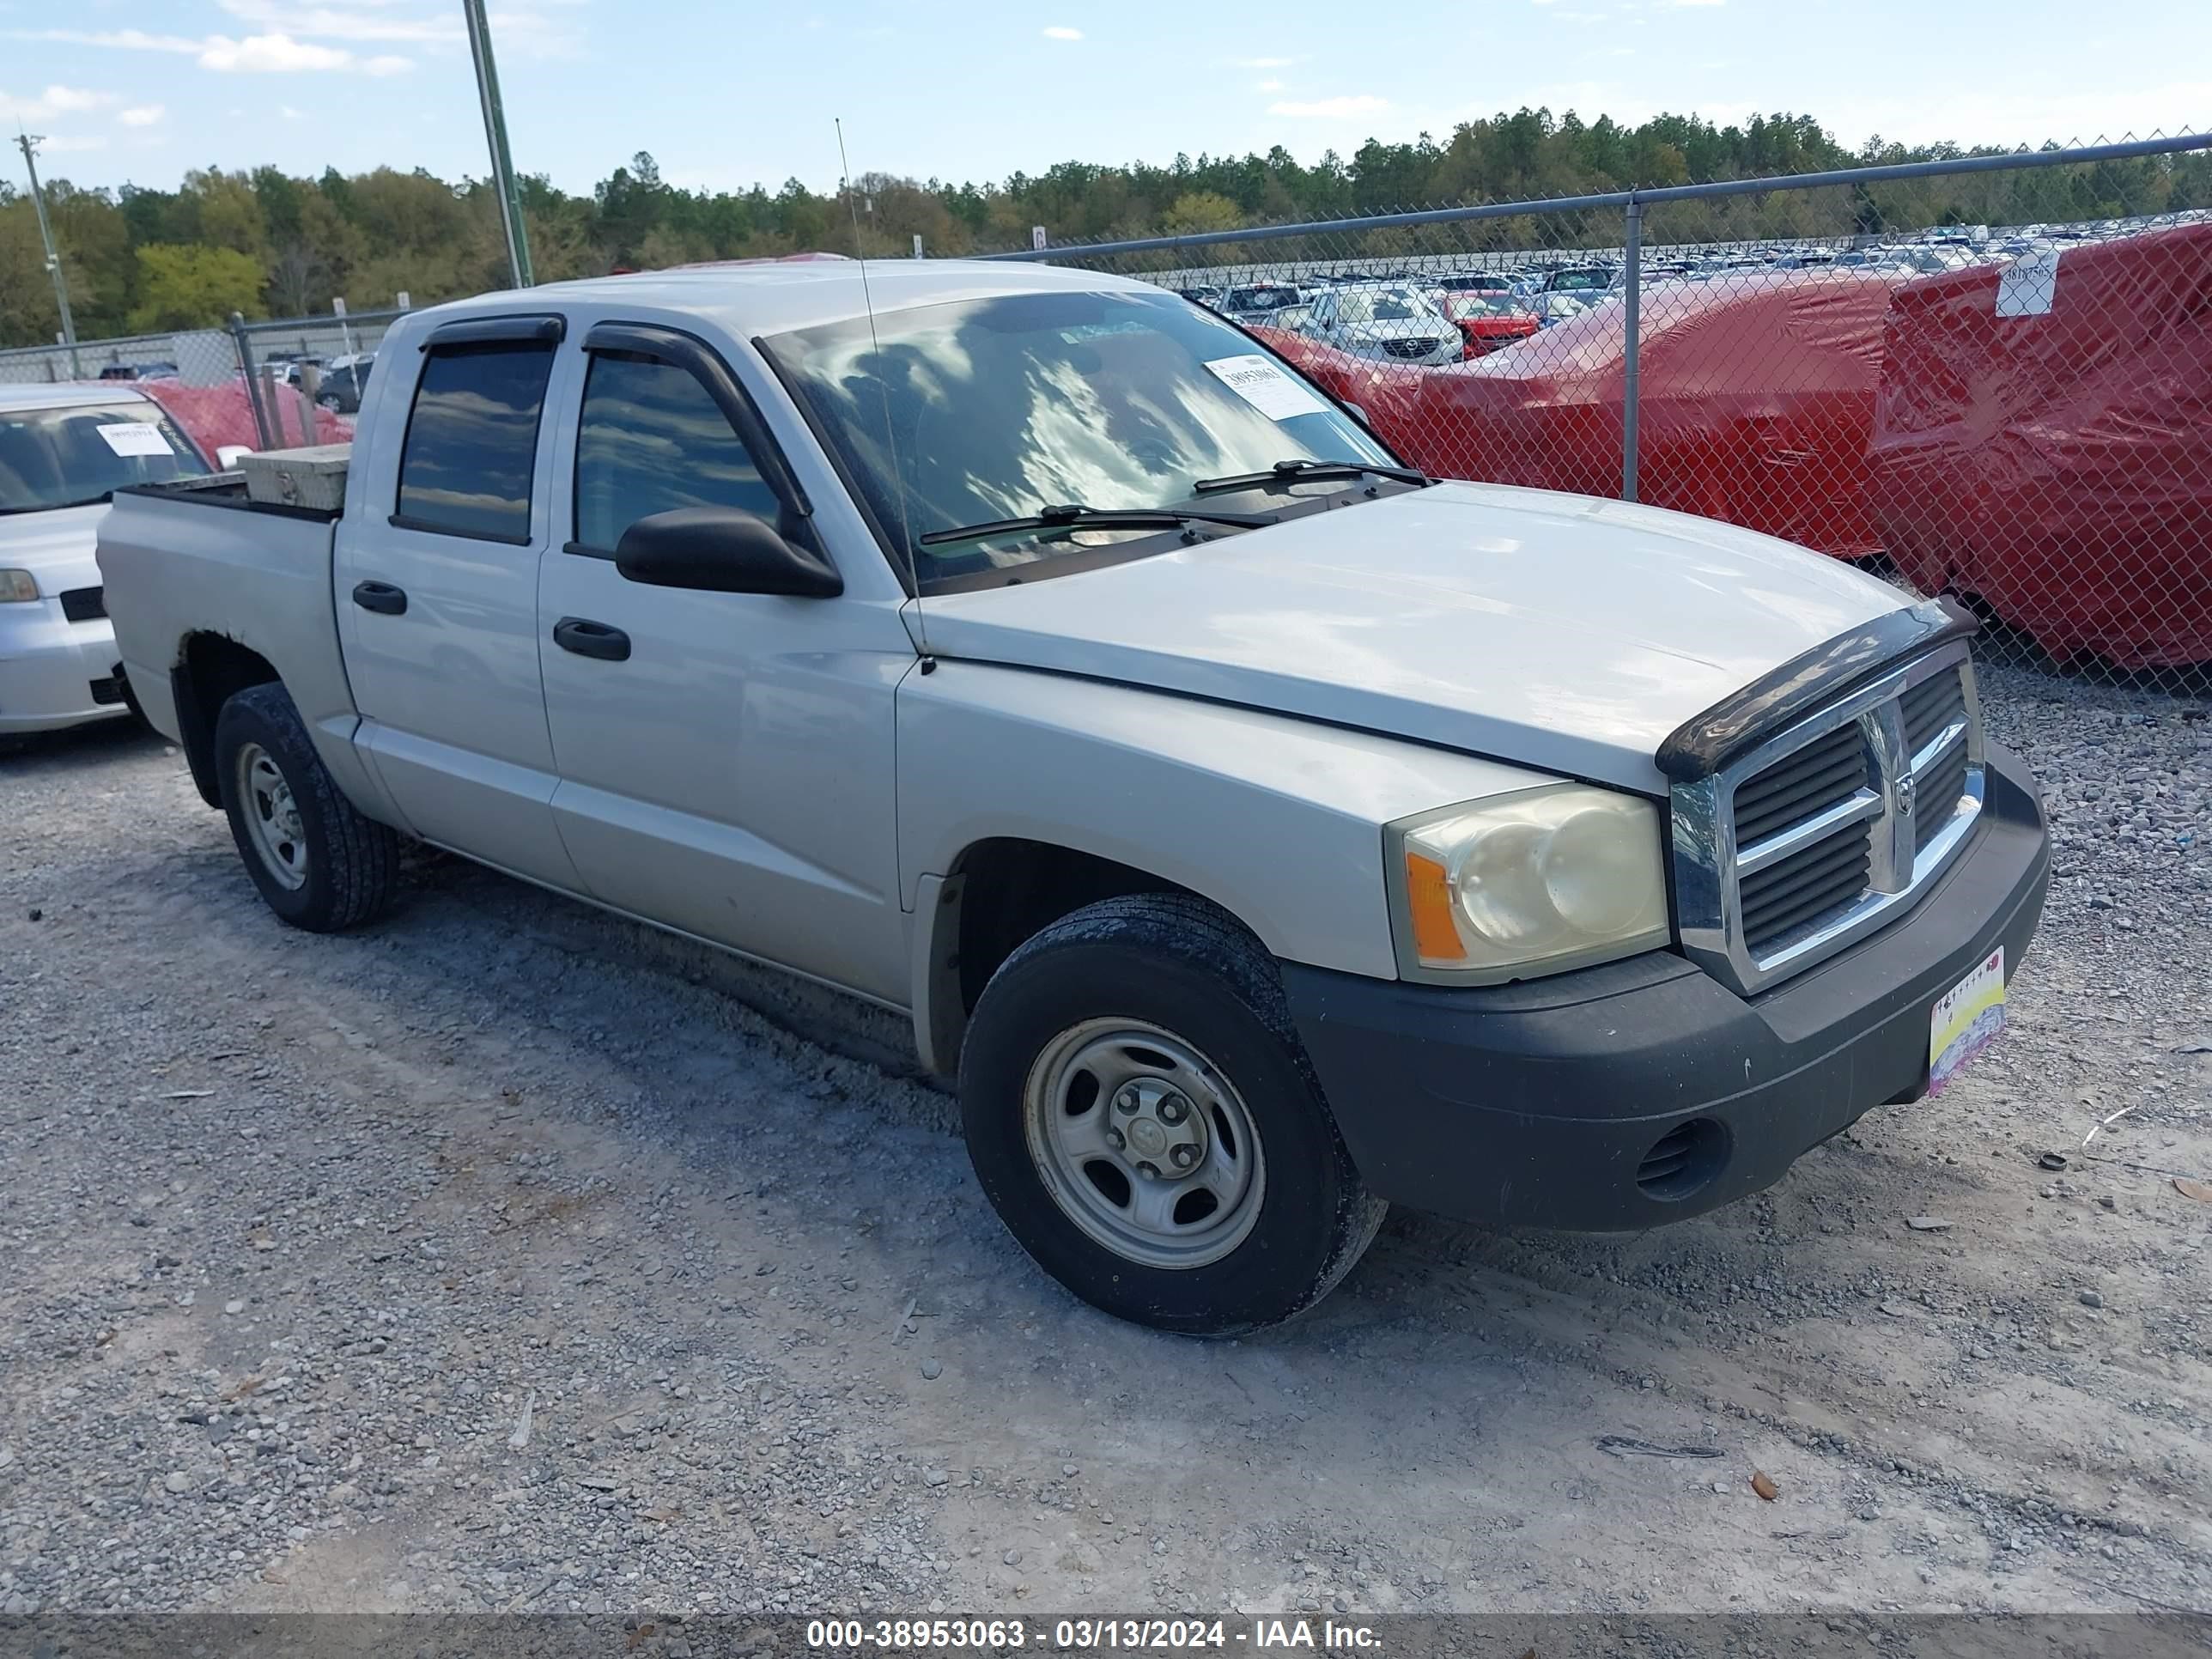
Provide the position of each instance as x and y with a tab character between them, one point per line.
1384	322
63	451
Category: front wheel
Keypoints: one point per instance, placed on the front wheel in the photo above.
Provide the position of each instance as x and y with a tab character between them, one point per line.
1141	1113
318	862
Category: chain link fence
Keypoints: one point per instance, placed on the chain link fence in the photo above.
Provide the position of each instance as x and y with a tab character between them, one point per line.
1990	376
258	386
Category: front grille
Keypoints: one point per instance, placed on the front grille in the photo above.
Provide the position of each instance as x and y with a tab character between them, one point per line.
1819	833
1409	348
84	603
1827	771
1785	896
1930	706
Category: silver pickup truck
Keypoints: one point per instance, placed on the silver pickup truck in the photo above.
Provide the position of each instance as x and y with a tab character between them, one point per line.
1260	832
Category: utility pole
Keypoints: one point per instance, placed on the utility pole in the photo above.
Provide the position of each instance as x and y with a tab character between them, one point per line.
28	143
502	164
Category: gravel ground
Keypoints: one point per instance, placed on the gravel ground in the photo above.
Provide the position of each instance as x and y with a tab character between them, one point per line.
501	1255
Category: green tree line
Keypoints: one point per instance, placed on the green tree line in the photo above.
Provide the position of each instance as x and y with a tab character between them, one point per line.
268	243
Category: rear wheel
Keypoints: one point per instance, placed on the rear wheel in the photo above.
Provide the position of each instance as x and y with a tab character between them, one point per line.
1140	1112
318	862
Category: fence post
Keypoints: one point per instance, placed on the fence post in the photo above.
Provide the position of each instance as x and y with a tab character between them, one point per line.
1631	365
245	346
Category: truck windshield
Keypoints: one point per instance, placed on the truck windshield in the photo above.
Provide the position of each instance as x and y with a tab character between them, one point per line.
982	410
80	453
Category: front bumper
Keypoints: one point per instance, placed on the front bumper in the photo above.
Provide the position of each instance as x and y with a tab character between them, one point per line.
55	672
1538	1104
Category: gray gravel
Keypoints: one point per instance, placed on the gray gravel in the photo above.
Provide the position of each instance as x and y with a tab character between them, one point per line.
502	1256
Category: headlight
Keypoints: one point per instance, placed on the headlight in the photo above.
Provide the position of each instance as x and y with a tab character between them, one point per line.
17	587
1532	883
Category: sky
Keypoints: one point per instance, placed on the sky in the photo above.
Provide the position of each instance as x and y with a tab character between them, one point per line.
724	95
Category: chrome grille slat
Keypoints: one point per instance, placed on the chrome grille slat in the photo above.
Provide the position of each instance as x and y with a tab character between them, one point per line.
1831	826
1771	849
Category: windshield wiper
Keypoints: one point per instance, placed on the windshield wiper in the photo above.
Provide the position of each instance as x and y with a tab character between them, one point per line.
1076	517
1299	470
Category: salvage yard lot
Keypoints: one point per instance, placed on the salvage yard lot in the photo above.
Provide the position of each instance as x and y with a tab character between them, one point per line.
499	1257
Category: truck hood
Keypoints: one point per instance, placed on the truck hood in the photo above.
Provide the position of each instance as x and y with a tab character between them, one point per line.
55	547
1558	632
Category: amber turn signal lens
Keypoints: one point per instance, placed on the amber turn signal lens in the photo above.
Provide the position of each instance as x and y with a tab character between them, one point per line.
1428	896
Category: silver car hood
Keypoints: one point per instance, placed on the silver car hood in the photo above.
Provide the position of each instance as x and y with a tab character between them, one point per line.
55	546
1555	631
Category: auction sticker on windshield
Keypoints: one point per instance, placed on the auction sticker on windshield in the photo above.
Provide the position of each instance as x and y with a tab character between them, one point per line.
136	438
1966	1020
1265	387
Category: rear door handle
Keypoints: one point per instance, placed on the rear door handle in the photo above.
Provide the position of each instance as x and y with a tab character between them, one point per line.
592	639
381	598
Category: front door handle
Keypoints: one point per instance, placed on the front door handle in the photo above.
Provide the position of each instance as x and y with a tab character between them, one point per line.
380	597
591	639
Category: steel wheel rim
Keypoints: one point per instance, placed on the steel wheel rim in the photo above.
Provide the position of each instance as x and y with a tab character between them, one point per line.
1108	1097
272	817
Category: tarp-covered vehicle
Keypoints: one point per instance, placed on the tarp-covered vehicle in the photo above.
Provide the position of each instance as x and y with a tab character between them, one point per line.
1756	404
2043	443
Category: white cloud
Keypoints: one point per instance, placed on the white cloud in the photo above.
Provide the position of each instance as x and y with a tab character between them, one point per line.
269	54
142	115
1269	86
287	112
256	54
121	39
1263	63
54	100
1681	3
1061	31
370	22
63	145
1332	109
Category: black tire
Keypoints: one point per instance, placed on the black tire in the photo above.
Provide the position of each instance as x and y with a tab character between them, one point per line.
1184	966
350	870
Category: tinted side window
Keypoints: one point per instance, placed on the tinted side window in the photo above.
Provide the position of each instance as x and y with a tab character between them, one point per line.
652	439
473	441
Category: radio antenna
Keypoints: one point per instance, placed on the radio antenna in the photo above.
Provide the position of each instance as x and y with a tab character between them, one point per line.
890	432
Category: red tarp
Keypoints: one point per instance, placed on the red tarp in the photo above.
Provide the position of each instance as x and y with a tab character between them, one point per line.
1756	404
213	416
2058	466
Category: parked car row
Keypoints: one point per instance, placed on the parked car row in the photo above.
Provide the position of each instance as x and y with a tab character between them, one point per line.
1555	289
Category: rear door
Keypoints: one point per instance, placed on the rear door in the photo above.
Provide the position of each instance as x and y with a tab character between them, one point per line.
727	759
437	590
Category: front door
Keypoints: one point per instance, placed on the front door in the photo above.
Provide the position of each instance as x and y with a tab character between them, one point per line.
725	760
437	596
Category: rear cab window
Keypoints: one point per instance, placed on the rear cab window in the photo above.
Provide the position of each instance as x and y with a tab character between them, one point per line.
472	445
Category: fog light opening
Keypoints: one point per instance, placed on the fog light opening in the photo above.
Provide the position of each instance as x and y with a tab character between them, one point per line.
1683	1161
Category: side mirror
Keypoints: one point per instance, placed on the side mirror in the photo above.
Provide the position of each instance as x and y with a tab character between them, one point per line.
226	456
721	549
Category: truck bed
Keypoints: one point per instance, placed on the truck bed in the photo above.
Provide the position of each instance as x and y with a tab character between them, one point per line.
189	564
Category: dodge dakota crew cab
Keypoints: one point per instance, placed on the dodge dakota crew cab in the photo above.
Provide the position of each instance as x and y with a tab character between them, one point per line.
1260	832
